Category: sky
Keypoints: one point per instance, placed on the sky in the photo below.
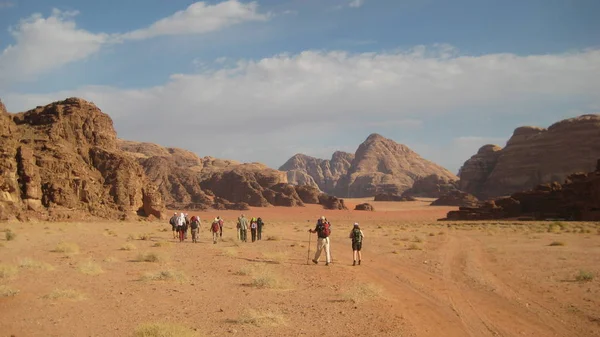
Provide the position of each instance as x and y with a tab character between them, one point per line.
259	81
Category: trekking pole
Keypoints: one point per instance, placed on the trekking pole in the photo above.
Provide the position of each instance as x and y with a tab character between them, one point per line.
308	254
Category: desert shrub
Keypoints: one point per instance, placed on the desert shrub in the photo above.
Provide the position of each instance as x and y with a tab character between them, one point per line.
90	268
265	278
161	244
128	246
27	263
149	257
246	270
414	246
417	239
556	243
555	227
7	271
144	236
431	234
230	252
362	292
69	294
275	257
261	318
584	276
273	238
163	330
10	235
6	291
110	259
164	275
67	248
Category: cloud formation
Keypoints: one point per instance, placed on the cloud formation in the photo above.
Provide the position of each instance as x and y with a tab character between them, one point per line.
261	109
356	3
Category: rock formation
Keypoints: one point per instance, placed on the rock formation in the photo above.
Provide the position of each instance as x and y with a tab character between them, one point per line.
379	165
456	198
324	174
432	186
392	197
533	156
331	202
577	199
364	207
62	161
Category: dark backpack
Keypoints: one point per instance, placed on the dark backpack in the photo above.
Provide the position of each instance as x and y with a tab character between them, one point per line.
356	235
324	229
195	223
259	222
215	226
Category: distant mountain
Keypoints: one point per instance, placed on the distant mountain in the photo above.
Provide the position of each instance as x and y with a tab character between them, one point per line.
380	165
533	156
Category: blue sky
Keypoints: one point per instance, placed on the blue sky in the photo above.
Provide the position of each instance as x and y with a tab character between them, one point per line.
263	80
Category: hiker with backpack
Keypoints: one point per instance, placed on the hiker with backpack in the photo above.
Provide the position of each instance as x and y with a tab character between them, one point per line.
253	228
220	226
357	236
243	227
195	227
181	226
259	224
214	228
323	230
186	226
173	222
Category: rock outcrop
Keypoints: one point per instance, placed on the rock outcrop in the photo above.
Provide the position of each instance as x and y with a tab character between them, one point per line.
432	186
392	197
456	198
324	174
331	202
62	161
578	198
364	207
533	156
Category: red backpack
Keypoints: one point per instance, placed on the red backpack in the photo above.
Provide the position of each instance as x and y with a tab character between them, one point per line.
324	229
215	226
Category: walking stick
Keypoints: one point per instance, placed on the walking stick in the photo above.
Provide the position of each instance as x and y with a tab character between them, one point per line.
308	254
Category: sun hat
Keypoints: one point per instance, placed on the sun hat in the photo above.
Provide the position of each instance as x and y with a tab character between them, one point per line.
356	224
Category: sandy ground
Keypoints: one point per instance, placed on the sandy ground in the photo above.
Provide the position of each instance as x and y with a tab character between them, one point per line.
418	277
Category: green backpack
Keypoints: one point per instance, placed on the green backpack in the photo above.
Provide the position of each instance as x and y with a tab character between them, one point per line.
356	235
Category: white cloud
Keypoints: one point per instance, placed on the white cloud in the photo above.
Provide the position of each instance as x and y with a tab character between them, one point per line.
200	18
356	3
43	44
268	106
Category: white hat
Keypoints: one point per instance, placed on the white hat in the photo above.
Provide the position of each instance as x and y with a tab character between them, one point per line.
322	217
356	224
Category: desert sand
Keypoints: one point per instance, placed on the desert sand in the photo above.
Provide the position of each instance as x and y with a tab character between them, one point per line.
418	277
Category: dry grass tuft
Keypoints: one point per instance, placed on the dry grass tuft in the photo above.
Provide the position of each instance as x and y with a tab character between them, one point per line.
10	235
266	279
230	252
150	257
163	330
111	259
273	238
261	318
6	291
557	243
362	292
144	236
68	248
414	246
165	275
69	294
275	257
584	276
27	263
7	271
90	268
246	270
128	246
161	244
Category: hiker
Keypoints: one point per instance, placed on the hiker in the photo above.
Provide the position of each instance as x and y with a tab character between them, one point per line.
180	226
243	227
186	226
259	224
357	236
214	228
323	230
253	227
173	222
195	227
220	226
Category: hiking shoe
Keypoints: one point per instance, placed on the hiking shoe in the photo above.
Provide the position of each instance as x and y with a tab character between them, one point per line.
359	262
354	263
326	263
315	261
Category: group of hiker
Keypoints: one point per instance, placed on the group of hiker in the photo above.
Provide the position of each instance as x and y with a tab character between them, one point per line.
182	222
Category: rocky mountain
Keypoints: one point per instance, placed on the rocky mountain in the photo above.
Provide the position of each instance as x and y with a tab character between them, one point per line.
322	173
533	156
379	165
432	186
577	198
62	161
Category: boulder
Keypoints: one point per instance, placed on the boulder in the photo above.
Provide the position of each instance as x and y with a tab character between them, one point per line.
364	207
393	197
456	198
331	202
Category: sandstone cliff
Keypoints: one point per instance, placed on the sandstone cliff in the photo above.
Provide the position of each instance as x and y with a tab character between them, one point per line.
432	186
62	161
322	173
533	156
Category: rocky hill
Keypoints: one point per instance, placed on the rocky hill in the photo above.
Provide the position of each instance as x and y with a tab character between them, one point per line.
379	165
533	156
62	161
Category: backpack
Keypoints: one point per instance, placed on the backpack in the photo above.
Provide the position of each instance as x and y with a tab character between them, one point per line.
324	229
195	223
259	222
215	226
173	221
356	235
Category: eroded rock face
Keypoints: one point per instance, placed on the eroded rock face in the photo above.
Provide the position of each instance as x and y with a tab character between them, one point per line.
364	207
432	186
384	166
331	202
533	156
393	197
61	161
324	174
578	198
456	198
